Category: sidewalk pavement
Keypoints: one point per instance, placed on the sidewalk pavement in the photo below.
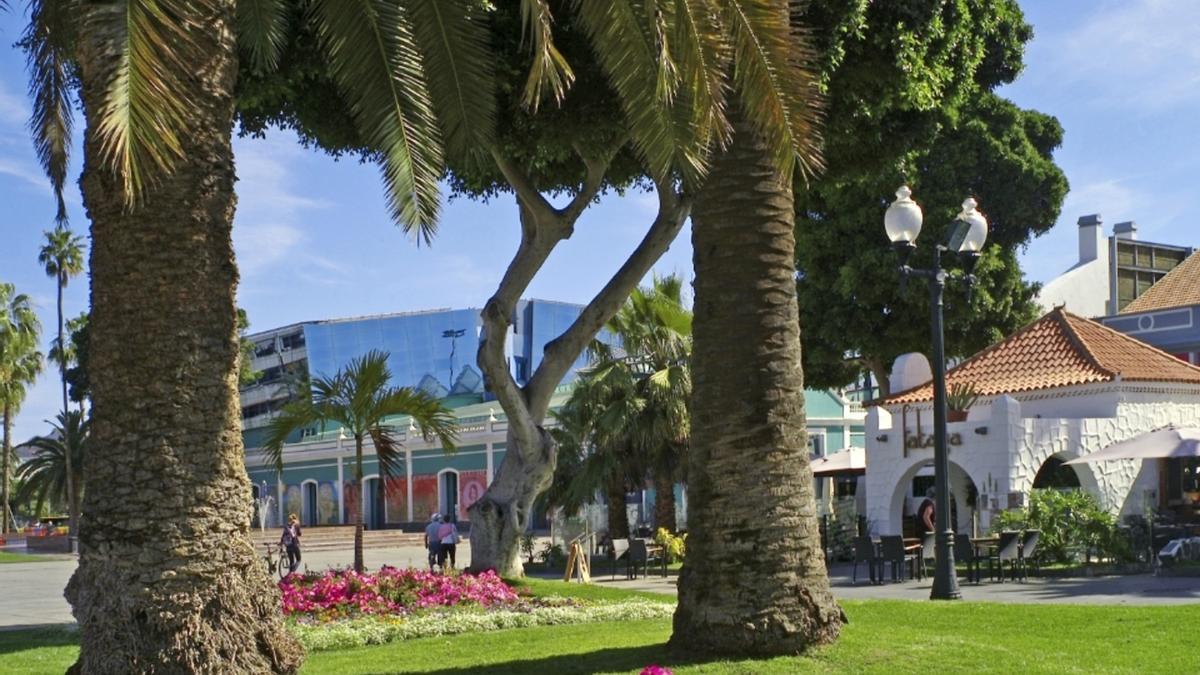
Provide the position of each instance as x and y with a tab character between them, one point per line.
31	593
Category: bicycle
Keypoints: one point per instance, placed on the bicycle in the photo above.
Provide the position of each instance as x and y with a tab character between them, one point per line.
277	560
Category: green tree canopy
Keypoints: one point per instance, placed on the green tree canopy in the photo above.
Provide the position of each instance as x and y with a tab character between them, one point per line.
911	100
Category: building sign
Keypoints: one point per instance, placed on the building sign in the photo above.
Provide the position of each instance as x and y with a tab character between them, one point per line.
919	440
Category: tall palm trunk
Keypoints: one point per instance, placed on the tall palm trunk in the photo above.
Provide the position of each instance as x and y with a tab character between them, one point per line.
754	581
362	502
72	501
618	516
664	501
168	580
7	468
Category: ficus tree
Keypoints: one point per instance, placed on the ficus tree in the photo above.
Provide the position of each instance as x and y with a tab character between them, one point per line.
911	95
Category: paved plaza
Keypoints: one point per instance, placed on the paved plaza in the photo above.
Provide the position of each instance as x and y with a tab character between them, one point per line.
31	593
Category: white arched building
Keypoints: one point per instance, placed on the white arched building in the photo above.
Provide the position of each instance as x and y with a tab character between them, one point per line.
1057	389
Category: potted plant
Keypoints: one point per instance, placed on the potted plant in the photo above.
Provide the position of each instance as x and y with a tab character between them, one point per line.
959	400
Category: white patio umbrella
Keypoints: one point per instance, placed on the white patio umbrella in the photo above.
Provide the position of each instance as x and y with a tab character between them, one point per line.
1169	441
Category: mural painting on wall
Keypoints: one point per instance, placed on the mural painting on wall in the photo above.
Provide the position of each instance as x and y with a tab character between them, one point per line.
471	485
425	497
351	492
327	504
291	501
396	496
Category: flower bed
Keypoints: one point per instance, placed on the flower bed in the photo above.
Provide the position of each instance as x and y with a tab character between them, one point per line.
341	594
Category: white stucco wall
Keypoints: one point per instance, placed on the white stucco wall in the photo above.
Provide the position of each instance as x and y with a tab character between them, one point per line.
1004	460
1084	289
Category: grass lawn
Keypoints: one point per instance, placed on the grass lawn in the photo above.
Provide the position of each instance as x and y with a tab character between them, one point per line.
883	636
6	557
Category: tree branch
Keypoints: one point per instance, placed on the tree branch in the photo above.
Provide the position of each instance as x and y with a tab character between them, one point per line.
596	168
560	353
543	212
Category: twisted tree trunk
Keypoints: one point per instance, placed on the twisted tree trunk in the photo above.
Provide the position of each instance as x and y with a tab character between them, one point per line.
168	580
754	581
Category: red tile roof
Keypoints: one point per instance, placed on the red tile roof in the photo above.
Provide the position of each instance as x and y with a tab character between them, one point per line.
1058	350
1179	288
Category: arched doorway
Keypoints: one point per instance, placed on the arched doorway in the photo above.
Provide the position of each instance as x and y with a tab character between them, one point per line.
373	503
308	503
910	491
1055	474
448	494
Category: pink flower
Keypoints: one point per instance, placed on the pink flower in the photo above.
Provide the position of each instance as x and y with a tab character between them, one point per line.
654	669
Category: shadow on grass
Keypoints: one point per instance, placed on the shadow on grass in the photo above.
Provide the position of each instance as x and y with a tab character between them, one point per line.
23	639
621	659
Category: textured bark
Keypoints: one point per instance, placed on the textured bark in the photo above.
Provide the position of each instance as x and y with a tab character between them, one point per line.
356	518
168	580
754	581
499	517
664	502
6	448
618	516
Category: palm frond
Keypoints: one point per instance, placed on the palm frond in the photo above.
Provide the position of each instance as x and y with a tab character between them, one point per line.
703	55
778	94
377	64
299	414
643	80
549	68
432	419
454	40
262	30
146	47
48	37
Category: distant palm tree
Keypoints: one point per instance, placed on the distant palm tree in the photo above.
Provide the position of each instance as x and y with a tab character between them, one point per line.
44	477
629	409
360	400
62	257
20	363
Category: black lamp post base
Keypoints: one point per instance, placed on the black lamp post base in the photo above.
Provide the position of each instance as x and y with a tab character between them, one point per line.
945	579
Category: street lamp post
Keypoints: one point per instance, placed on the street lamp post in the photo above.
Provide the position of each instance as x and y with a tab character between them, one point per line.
967	235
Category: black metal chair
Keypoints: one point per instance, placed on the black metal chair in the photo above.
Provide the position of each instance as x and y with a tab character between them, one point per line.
865	552
639	556
1007	549
618	549
893	552
1029	544
964	552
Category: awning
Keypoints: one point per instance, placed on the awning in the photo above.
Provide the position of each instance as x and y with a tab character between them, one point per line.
848	462
1170	441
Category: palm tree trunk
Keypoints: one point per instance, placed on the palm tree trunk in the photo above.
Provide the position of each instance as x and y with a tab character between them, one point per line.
362	502
755	580
618	516
664	501
72	503
7	468
167	579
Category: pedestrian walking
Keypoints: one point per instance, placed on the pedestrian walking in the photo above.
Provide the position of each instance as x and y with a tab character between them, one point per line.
432	542
290	539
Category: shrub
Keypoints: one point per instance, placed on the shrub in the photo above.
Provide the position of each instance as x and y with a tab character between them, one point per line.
674	546
340	594
527	546
1069	521
552	555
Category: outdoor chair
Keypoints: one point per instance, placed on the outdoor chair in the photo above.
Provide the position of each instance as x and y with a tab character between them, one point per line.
964	553
894	553
1029	550
1007	549
864	552
928	551
618	549
639	556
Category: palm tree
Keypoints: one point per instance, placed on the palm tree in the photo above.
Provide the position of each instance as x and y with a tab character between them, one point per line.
62	258
632	405
359	400
755	580
20	363
44	477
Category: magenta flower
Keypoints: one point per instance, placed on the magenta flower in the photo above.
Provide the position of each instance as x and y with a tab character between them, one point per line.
654	669
342	593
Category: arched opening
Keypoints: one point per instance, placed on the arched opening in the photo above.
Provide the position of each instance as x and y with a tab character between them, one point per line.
308	505
910	491
448	494
1055	474
373	503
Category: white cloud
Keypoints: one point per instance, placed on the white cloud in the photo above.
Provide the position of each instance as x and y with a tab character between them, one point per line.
28	174
1141	54
1113	199
14	110
265	232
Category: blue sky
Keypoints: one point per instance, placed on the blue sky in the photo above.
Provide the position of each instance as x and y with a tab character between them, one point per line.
314	241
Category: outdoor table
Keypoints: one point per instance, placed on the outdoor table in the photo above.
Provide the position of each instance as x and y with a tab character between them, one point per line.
657	549
911	545
984	544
